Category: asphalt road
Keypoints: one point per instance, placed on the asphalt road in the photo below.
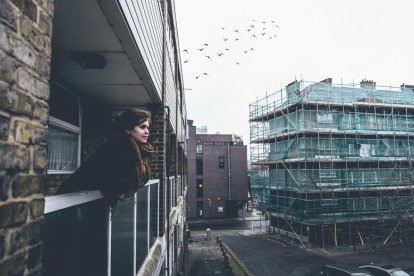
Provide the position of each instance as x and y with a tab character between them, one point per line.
264	255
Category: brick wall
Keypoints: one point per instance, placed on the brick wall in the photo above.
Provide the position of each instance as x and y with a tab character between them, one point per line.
156	138
25	52
215	179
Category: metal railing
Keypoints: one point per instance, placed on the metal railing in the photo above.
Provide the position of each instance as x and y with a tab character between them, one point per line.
83	237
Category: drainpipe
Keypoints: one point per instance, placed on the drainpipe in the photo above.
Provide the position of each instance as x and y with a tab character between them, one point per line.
167	186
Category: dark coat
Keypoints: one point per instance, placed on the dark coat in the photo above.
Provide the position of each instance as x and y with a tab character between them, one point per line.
111	169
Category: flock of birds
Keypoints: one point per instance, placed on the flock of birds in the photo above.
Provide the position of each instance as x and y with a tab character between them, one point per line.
230	38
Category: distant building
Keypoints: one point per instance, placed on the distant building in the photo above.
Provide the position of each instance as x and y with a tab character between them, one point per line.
201	130
217	175
333	163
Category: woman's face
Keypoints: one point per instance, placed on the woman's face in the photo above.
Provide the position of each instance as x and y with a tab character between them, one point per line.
140	132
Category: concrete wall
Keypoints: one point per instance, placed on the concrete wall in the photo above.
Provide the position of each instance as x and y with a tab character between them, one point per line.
25	52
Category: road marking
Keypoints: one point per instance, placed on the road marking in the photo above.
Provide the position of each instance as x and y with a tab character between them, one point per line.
236	259
324	250
284	245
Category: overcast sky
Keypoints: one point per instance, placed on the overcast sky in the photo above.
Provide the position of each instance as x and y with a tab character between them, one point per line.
348	40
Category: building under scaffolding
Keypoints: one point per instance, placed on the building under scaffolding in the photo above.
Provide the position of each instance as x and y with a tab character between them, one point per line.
332	164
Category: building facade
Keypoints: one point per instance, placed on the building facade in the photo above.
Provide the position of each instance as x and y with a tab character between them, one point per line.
217	175
332	164
67	68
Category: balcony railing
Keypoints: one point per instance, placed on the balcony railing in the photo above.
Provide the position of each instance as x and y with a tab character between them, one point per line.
83	237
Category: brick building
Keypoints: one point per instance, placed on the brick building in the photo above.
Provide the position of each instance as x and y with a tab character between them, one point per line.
217	175
66	67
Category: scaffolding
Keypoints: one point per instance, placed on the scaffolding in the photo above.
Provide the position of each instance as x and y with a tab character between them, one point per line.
333	162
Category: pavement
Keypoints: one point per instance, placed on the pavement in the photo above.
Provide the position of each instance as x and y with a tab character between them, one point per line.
206	256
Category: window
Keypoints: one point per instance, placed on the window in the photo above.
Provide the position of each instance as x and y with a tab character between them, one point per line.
221	162
199	166
199	149
199	209
64	131
200	188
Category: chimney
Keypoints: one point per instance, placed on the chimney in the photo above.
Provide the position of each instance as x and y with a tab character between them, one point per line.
367	84
327	81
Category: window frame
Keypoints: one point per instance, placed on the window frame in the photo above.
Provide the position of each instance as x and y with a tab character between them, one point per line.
68	127
200	191
221	165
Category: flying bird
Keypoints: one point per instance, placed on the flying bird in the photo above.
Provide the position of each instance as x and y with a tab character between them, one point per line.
227	49
197	77
252	26
245	51
263	33
219	54
225	39
208	57
236	39
223	28
237	63
201	49
254	36
251	49
236	31
185	51
185	61
248	30
205	74
205	44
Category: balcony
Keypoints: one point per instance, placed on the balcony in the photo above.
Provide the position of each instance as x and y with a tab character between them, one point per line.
83	237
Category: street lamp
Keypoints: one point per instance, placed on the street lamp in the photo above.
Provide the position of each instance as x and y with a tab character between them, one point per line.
209	205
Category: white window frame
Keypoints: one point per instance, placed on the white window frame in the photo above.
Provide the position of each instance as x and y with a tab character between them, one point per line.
70	128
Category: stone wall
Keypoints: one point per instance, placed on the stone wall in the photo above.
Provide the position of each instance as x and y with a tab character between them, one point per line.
25	52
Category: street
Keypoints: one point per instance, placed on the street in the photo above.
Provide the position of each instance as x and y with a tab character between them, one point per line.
265	254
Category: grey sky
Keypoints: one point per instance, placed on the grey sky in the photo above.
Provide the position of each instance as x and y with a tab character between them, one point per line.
352	40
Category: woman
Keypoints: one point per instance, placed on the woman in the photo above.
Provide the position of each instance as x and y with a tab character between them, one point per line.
120	166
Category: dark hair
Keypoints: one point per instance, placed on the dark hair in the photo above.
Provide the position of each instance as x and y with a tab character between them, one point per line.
131	118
